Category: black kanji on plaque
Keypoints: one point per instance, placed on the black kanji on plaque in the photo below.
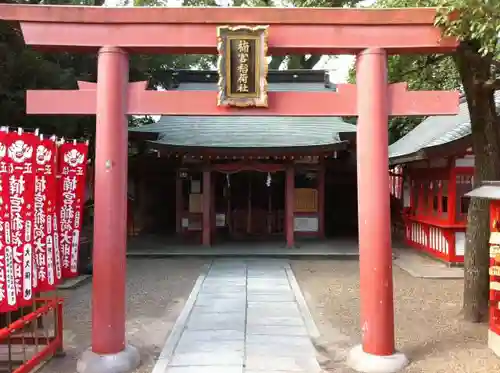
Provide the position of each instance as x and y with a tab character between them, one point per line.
242	66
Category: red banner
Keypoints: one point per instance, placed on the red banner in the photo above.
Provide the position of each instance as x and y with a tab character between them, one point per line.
7	292
45	207
20	155
72	161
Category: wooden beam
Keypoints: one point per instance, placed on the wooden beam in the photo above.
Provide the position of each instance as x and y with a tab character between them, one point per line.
253	152
421	103
201	38
204	103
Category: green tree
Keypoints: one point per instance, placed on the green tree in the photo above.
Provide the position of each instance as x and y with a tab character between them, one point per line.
476	66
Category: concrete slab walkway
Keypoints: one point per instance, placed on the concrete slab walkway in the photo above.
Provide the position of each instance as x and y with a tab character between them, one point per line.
243	316
420	266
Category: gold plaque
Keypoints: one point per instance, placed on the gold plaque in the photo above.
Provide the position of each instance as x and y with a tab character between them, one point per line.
495	238
242	66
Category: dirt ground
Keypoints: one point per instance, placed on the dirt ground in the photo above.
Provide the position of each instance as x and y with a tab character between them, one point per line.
157	290
429	329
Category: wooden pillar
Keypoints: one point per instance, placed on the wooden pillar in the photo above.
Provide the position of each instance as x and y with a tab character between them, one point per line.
179	203
321	200
110	221
206	239
289	205
213	224
452	192
420	199
143	203
375	252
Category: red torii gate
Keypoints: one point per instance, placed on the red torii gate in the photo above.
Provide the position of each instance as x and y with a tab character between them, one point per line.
113	33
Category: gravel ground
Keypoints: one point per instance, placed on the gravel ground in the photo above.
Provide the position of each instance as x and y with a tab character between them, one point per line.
429	329
157	290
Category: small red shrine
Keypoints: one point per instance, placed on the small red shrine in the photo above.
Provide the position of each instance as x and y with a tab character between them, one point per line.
438	170
247	178
491	190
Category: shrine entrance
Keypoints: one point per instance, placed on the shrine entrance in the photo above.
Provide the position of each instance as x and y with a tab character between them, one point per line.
115	33
253	203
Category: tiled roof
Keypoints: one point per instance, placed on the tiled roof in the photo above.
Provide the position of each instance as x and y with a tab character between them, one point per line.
435	131
247	131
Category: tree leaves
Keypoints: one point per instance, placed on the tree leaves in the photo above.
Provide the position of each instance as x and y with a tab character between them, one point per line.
477	20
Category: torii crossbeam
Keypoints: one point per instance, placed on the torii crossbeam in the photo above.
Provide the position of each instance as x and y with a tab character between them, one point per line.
140	101
113	33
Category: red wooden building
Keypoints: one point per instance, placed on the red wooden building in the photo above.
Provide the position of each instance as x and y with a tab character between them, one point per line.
438	169
237	178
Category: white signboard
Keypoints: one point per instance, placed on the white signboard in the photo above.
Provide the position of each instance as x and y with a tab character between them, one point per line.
306	224
460	243
220	220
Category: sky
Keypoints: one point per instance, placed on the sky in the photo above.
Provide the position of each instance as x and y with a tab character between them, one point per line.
338	67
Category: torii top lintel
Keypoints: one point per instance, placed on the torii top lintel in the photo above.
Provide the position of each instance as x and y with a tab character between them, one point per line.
193	30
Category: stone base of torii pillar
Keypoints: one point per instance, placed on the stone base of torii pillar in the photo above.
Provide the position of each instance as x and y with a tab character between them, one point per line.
364	362
124	361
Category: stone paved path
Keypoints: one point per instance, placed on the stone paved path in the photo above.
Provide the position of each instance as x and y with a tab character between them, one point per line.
244	316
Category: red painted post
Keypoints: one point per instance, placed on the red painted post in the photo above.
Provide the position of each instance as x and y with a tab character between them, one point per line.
452	192
110	222
59	327
375	253
213	225
289	206
207	204
321	201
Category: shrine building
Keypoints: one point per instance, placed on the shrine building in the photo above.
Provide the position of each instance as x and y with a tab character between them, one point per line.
437	166
245	177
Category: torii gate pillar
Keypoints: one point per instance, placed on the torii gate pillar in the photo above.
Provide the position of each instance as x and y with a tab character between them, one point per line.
109	352
375	251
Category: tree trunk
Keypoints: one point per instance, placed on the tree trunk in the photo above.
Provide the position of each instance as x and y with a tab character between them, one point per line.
474	71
